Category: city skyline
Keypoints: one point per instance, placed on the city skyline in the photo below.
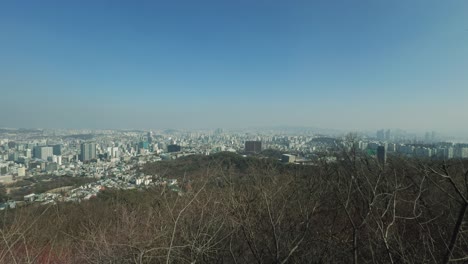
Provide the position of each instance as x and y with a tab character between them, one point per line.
331	64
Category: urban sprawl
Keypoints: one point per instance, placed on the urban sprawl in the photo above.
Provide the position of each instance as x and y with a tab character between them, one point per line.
113	157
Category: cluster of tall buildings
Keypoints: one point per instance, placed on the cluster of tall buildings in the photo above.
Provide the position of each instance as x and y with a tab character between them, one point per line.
427	146
387	135
384	135
51	153
44	152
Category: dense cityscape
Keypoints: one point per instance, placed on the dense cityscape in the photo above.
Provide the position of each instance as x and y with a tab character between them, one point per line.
112	158
143	132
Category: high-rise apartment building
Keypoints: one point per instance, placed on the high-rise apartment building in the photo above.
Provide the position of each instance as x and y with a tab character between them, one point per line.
115	152
149	137
445	152
381	155
88	151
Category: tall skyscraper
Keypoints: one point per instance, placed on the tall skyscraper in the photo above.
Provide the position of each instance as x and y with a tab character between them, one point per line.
115	152
388	135
149	136
28	153
381	134
381	155
143	145
57	149
88	151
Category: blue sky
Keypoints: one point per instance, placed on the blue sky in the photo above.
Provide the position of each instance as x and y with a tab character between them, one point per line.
191	64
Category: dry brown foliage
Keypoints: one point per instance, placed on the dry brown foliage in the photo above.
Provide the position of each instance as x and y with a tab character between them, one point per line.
259	211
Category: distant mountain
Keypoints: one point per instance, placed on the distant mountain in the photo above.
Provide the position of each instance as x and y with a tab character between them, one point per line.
20	130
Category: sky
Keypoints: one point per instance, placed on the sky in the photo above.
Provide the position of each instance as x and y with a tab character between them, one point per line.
352	65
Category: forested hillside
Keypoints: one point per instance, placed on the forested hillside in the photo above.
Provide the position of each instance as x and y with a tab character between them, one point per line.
250	210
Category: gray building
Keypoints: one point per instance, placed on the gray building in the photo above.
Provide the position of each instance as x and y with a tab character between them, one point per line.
57	149
43	153
173	148
149	137
3	169
380	134
288	158
388	135
381	155
461	152
423	152
445	153
88	151
253	146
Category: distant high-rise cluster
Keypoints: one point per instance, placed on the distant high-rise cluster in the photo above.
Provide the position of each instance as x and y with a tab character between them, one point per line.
384	135
380	134
43	152
34	154
388	135
218	131
430	137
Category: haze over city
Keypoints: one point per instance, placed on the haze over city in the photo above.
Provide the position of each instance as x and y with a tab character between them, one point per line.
351	65
244	131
